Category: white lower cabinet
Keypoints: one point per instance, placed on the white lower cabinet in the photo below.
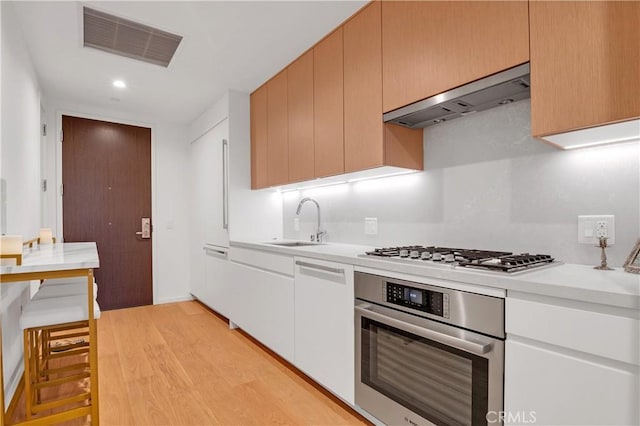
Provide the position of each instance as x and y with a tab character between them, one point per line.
557	388
264	306
218	292
324	324
571	364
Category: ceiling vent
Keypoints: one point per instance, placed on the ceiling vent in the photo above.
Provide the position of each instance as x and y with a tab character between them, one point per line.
127	38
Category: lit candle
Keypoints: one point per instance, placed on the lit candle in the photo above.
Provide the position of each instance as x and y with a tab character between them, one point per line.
11	244
46	237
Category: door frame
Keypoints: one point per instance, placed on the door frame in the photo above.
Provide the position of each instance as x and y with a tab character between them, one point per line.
59	231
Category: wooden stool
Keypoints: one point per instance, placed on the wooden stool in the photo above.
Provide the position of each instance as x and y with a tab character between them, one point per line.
51	338
47	317
64	287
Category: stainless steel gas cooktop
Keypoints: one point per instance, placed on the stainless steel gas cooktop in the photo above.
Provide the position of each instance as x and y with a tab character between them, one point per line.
500	261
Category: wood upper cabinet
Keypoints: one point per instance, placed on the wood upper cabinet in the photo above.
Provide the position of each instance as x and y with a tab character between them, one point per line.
368	142
585	64
363	144
259	138
430	47
328	99
277	131
300	117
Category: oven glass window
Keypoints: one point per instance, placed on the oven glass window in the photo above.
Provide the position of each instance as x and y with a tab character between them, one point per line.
444	385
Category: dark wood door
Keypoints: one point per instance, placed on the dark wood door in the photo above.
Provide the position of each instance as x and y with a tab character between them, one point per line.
106	173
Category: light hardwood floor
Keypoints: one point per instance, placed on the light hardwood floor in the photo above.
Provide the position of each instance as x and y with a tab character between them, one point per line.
179	364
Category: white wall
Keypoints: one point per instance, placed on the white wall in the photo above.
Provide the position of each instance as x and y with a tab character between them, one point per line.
253	215
171	227
20	174
488	184
20	132
169	151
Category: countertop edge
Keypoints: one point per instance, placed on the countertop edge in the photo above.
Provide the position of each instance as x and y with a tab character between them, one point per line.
529	282
57	257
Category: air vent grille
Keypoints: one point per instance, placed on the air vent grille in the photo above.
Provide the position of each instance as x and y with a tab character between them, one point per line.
127	38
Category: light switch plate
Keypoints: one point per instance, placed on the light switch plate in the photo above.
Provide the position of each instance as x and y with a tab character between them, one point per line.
591	227
371	225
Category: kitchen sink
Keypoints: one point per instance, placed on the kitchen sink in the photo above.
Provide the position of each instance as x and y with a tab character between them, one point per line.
294	243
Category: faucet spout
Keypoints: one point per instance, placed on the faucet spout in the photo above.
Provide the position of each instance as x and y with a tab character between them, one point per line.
319	231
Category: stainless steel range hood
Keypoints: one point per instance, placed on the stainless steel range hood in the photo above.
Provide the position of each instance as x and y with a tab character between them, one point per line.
497	89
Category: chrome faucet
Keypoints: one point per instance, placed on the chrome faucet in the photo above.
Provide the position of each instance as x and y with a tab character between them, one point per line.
319	232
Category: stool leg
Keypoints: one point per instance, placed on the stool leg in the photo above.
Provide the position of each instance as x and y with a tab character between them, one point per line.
45	354
33	355
36	360
27	373
93	352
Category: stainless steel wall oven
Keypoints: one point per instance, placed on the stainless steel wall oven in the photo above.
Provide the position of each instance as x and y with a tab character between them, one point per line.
427	354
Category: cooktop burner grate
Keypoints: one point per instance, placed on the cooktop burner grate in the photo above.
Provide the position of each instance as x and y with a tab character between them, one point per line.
501	261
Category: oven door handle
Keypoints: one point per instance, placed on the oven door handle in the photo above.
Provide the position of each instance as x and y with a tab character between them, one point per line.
455	342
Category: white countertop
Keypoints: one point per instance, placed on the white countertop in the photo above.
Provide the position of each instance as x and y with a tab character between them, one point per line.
56	257
568	281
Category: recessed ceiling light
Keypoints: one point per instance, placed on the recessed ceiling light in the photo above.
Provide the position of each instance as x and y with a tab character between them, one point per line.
120	84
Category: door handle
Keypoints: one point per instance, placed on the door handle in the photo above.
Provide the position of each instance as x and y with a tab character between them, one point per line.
145	223
225	184
478	348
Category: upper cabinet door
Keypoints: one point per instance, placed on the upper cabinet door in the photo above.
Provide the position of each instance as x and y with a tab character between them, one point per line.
328	105
430	47
363	132
259	138
277	131
300	105
585	64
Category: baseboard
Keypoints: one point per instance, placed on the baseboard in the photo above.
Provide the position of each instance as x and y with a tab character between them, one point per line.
185	298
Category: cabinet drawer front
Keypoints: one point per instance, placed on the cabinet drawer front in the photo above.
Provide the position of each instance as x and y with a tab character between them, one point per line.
324	324
602	334
279	263
561	389
264	307
218	293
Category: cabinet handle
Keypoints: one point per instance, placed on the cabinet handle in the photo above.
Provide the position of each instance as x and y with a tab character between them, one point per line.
336	271
225	184
221	253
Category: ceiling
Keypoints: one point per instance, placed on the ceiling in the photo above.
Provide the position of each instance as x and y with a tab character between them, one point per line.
226	45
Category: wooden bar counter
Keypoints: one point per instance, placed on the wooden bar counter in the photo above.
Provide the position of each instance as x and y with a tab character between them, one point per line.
60	260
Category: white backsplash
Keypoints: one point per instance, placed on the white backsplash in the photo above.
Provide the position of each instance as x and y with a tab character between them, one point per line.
488	184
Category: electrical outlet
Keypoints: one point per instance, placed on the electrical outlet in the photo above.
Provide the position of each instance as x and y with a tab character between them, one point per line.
370	225
593	227
296	224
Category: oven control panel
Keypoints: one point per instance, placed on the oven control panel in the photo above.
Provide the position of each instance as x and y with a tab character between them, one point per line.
431	302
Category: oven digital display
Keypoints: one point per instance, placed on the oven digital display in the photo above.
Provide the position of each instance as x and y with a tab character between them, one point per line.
432	302
413	295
